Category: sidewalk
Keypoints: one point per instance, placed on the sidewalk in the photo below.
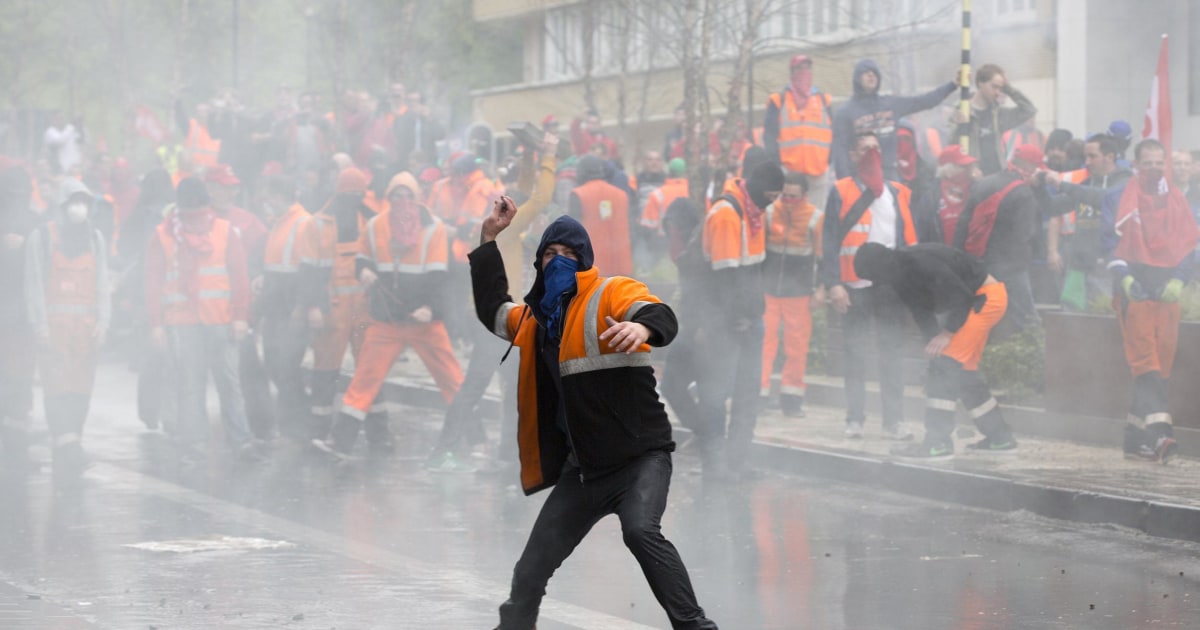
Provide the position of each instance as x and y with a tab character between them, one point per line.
1056	478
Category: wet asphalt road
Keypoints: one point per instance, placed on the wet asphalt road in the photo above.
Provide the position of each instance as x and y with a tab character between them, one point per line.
385	544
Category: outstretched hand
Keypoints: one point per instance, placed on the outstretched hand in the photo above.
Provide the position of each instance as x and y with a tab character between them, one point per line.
624	336
503	211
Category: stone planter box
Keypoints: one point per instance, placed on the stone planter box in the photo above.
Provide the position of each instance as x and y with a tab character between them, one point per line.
1086	373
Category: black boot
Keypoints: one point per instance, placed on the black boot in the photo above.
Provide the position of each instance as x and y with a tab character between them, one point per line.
379	436
340	442
791	405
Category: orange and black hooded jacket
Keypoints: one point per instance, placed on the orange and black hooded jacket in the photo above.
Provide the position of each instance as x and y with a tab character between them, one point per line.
575	394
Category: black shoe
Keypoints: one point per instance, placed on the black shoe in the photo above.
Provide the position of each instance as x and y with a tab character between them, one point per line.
994	445
791	405
925	450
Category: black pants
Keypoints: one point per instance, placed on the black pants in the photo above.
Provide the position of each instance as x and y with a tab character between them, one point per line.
882	308
947	384
284	341
731	370
637	494
681	369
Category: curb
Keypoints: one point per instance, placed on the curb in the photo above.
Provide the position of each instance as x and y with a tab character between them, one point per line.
1155	518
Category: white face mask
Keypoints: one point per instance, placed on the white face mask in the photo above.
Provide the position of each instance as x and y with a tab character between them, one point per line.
77	212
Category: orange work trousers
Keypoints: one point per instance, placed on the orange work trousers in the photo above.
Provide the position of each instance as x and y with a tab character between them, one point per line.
384	342
346	324
967	344
794	314
67	360
1151	333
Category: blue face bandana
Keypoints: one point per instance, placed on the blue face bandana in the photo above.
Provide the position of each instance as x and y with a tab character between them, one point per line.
559	277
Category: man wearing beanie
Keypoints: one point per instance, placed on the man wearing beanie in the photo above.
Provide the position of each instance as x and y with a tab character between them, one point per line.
591	423
333	299
198	301
865	209
933	279
734	243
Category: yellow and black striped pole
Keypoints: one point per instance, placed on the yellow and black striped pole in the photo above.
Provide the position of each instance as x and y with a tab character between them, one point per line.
964	81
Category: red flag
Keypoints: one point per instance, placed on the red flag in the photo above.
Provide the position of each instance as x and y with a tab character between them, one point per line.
1158	111
147	124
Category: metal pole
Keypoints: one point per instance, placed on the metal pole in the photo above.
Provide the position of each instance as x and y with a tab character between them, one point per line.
234	28
964	81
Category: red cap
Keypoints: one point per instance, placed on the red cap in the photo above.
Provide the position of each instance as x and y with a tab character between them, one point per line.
953	154
1029	153
549	120
799	59
221	174
351	180
430	174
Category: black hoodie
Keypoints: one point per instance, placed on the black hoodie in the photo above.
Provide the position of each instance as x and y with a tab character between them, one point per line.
879	114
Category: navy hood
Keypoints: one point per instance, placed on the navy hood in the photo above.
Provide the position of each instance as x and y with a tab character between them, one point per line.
862	67
564	231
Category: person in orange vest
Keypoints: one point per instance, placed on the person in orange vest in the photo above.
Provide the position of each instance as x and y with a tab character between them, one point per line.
1149	241
280	310
734	247
1026	133
603	209
197	299
17	220
202	149
67	296
674	187
864	208
335	302
403	261
793	245
932	279
591	423
798	128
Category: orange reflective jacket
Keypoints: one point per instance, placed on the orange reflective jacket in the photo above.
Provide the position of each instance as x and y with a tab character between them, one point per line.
70	284
213	288
203	148
656	205
431	253
728	241
805	135
285	241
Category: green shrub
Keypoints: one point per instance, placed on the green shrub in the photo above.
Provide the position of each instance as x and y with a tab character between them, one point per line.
1015	366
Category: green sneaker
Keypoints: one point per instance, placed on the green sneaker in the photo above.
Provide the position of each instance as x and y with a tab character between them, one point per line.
448	463
923	450
994	445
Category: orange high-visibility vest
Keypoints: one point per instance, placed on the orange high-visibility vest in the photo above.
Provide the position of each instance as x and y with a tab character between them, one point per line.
605	216
430	254
285	241
70	283
656	205
581	350
326	252
805	135
797	233
859	233
203	148
728	241
213	290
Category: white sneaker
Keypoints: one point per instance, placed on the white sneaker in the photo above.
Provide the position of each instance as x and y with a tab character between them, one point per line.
854	430
898	432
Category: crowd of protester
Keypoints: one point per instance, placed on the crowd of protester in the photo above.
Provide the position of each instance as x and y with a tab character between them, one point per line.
265	245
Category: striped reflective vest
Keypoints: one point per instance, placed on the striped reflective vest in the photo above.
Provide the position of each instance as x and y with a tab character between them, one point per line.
285	241
859	233
212	289
203	148
728	241
805	135
70	284
431	253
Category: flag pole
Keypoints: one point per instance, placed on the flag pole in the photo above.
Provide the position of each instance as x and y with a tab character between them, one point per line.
964	80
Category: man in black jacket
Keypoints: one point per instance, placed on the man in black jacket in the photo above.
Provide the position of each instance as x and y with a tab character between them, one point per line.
932	278
999	225
589	413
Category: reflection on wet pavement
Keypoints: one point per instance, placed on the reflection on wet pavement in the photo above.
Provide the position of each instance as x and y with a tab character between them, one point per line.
386	544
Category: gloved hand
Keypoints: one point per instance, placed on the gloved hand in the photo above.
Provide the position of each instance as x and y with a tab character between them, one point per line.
1172	291
1133	289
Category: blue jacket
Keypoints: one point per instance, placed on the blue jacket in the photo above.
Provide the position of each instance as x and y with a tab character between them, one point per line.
880	114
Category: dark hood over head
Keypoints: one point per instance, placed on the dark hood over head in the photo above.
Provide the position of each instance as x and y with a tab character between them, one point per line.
866	65
590	168
564	231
